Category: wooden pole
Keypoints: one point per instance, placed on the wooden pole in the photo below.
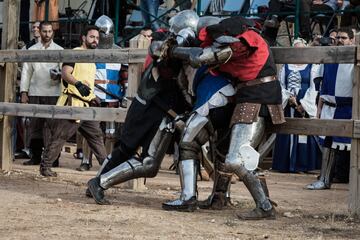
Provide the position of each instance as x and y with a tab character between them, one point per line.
354	186
11	9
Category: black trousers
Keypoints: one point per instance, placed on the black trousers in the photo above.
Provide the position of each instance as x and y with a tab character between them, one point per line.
141	124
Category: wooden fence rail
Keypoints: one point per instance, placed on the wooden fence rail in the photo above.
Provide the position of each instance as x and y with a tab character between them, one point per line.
97	55
341	128
282	55
60	112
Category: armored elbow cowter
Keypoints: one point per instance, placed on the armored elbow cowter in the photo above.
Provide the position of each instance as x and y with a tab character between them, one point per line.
214	56
198	56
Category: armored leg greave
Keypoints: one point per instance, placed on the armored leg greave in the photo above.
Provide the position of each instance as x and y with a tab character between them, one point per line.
134	168
242	159
255	188
188	174
220	195
327	168
195	135
187	201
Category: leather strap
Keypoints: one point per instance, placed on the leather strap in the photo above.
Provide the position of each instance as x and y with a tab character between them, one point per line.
330	104
105	82
257	81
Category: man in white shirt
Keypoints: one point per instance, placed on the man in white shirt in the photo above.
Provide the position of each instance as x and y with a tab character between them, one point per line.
40	84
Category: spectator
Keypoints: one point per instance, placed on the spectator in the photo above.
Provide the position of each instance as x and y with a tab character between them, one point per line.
271	25
297	153
333	34
326	41
78	91
149	11
22	123
39	86
146	33
184	4
110	86
35	30
314	7
336	103
352	9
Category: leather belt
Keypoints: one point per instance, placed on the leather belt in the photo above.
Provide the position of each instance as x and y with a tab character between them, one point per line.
342	103
105	82
330	104
257	81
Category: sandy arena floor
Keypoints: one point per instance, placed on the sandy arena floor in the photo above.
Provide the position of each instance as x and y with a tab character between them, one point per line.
33	207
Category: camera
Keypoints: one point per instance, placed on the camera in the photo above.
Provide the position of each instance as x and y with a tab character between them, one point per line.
326	41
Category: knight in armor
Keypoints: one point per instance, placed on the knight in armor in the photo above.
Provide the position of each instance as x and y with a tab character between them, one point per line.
212	113
335	102
208	121
236	51
147	123
110	84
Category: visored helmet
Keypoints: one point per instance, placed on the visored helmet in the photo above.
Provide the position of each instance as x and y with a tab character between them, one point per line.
106	30
184	19
207	21
105	24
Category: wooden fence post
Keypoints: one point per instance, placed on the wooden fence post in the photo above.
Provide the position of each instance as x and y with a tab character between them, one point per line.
135	69
354	186
11	13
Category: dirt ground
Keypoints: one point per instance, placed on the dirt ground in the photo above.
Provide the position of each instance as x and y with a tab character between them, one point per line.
33	207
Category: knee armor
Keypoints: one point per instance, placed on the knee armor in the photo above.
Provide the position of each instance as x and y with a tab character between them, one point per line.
244	138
